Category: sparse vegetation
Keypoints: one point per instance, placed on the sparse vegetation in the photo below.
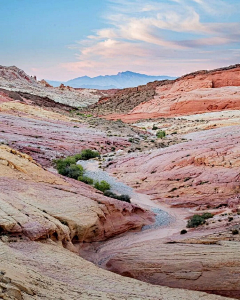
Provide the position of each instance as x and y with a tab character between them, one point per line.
198	220
102	185
86	179
235	231
183	231
160	134
86	154
154	127
67	167
125	198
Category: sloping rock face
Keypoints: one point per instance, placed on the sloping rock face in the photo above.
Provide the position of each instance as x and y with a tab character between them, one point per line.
16	80
46	135
203	172
209	268
198	92
38	205
43	218
34	270
123	101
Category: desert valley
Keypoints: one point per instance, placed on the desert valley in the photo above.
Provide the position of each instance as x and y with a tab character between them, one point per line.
166	224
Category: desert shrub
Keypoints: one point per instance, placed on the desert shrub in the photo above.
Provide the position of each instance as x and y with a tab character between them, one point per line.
160	134
74	171
206	215
85	179
154	127
195	221
86	154
102	185
63	163
67	167
235	231
183	231
124	198
198	220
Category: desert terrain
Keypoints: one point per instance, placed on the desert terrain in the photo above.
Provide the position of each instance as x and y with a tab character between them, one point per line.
172	146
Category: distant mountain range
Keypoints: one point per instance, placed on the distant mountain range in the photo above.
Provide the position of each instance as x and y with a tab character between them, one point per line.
119	81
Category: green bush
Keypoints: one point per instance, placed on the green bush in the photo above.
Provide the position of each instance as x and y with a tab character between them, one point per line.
124	198
207	215
160	134
85	179
154	127
102	185
198	220
74	171
86	154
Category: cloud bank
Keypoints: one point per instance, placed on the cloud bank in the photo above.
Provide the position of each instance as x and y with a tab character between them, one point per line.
162	37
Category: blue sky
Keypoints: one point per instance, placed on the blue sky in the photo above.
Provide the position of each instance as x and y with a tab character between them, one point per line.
64	39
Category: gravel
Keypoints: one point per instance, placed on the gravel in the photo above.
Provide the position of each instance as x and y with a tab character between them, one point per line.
91	170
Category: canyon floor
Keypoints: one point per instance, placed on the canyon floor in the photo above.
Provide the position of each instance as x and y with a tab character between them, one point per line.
63	239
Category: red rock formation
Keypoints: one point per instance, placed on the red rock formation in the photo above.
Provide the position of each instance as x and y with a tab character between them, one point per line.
41	205
45	83
203	172
197	92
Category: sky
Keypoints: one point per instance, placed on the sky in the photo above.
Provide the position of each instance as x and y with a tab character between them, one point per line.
65	39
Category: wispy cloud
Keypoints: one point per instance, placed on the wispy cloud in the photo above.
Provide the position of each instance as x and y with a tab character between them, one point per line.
159	36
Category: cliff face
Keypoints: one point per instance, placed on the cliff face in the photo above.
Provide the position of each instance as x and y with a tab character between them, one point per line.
198	92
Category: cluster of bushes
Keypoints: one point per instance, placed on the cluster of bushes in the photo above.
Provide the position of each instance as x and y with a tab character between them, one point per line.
160	134
86	154
198	220
68	167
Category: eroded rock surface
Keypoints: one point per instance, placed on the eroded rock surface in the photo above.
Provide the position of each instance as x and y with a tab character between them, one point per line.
34	270
46	135
38	205
16	80
203	172
197	92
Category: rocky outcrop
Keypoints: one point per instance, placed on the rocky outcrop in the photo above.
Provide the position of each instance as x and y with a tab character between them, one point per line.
45	83
34	270
16	80
197	92
209	268
38	205
123	101
203	172
46	135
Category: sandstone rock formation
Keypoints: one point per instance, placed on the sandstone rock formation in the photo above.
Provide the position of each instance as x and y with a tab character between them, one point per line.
209	268
43	218
16	80
35	270
203	172
198	92
46	135
38	204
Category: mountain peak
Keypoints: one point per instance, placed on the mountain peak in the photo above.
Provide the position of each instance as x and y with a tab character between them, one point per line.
121	80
